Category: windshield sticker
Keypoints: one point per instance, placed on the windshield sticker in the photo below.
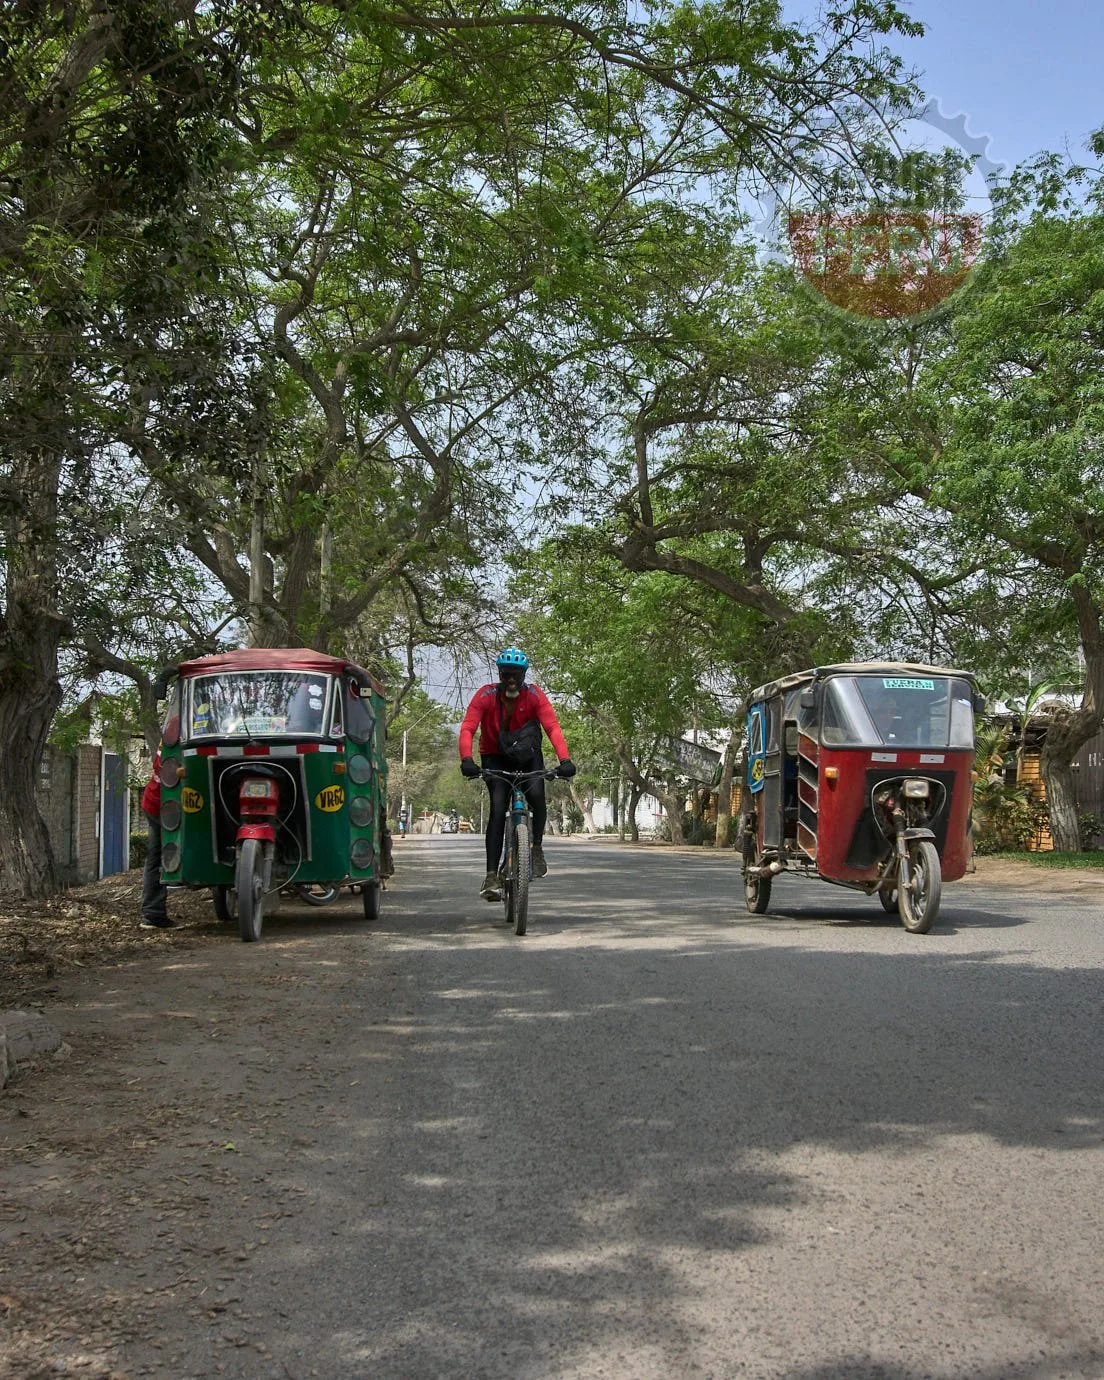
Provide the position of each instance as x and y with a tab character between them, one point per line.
315	704
266	723
315	689
890	684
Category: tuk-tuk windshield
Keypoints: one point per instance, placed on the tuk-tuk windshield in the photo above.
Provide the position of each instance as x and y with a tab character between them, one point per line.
898	711
258	704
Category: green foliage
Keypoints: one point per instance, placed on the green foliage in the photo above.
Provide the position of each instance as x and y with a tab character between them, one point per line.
1091	826
1006	817
1006	820
139	847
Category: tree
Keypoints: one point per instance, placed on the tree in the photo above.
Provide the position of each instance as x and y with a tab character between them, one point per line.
1019	462
421	746
642	656
109	115
425	218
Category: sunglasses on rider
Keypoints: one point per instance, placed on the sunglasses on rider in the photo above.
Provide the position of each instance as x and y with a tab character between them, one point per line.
511	677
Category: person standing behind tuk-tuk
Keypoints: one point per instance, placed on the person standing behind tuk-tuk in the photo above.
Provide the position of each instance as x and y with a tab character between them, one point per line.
494	708
155	895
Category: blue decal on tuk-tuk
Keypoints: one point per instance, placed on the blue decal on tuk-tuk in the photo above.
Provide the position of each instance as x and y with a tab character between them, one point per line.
757	746
892	683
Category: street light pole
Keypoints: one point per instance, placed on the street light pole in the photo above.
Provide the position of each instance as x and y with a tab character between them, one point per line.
402	808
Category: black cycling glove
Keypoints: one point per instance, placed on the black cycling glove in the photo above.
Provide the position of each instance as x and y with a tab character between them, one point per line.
566	768
468	766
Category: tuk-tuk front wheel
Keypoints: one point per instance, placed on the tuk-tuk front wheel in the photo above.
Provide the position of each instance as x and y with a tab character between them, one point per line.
918	902
249	876
757	892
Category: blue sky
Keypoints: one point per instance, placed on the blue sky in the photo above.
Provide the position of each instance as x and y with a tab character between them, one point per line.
1025	72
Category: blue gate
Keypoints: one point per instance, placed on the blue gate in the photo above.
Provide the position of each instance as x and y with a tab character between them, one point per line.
114	835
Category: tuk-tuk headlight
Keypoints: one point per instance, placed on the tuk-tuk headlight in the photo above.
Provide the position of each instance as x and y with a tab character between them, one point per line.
260	788
360	811
360	769
917	789
170	857
170	814
361	853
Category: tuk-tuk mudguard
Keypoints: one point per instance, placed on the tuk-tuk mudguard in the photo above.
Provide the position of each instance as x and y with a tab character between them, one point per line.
266	833
910	834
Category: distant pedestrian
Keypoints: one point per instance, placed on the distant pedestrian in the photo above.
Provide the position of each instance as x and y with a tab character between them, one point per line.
155	894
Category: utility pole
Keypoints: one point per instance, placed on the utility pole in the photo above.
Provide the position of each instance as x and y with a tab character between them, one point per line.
402	808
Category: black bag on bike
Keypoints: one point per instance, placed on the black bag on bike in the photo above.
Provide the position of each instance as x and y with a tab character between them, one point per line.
521	744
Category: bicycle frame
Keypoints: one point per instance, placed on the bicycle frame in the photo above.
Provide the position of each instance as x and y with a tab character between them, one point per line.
517	866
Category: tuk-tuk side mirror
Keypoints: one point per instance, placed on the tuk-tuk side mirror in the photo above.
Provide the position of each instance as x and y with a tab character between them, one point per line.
161	681
979	702
808	699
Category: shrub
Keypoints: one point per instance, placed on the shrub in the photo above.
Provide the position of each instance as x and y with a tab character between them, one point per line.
1007	819
139	847
698	830
1091	826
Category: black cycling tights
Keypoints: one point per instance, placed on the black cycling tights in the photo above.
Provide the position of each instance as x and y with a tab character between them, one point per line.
501	793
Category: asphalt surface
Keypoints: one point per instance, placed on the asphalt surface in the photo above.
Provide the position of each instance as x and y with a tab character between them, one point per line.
656	1137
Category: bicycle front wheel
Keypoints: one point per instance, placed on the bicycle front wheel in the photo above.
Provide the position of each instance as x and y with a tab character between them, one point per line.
523	869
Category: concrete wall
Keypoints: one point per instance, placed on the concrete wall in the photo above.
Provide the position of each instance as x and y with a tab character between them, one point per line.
69	799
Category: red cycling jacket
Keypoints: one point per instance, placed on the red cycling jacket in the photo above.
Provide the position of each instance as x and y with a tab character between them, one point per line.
485	715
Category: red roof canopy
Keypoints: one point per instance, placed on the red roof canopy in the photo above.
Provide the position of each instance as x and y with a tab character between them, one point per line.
273	659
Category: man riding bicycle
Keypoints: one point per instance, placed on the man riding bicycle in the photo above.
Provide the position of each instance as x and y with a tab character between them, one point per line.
503	709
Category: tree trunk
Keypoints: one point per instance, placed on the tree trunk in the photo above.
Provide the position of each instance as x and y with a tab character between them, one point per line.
584	800
1066	732
672	803
634	800
30	692
724	789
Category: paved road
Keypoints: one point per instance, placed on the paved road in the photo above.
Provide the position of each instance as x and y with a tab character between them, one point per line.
657	1137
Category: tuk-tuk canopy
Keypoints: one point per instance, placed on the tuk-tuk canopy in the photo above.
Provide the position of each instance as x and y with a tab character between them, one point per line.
853	668
277	659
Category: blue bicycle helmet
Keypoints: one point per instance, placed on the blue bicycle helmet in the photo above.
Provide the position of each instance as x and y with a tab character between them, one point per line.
512	659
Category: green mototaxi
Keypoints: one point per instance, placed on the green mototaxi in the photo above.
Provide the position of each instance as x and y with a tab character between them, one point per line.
273	773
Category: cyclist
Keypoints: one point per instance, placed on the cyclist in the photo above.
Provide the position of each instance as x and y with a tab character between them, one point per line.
495	709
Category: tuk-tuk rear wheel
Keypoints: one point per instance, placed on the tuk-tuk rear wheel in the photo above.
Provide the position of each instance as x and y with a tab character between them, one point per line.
887	895
918	903
372	900
225	901
757	891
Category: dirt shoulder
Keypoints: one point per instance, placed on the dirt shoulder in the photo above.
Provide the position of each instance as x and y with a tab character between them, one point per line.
93	926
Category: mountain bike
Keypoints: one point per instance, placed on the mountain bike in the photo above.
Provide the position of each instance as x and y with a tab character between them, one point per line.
517	867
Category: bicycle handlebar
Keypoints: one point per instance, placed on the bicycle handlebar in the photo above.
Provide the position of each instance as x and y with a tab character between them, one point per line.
514	777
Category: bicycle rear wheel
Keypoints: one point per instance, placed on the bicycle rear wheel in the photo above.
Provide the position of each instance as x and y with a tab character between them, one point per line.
523	868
